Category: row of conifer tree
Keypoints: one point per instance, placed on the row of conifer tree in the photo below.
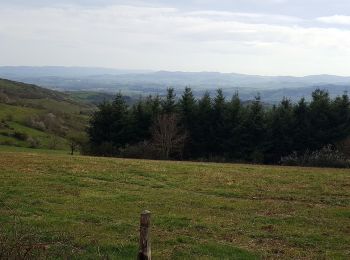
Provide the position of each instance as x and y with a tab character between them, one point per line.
220	128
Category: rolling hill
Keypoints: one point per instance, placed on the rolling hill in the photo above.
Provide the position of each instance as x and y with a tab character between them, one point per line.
135	83
32	116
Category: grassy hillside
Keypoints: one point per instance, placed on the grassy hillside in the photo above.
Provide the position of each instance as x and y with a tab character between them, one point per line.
32	116
89	207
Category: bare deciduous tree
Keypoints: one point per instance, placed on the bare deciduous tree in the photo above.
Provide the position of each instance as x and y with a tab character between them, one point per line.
168	138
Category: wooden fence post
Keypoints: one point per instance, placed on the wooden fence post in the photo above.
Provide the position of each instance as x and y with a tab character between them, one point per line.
145	237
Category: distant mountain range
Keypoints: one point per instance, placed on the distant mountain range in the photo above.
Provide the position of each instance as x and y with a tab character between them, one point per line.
133	83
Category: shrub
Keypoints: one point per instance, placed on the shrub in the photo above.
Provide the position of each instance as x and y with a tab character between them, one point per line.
7	142
9	117
344	146
34	122
4	98
53	142
33	142
20	136
4	124
5	134
257	157
104	149
328	156
142	150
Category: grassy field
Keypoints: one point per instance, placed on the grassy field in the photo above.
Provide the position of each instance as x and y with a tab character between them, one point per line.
86	207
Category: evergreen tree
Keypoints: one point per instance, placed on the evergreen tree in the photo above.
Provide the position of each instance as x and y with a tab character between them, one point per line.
120	135
340	122
217	128
154	105
187	107
302	131
320	119
220	131
234	119
203	127
188	111
280	131
254	132
100	129
169	103
108	129
141	120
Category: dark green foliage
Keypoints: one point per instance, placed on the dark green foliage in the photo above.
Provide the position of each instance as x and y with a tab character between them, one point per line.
141	120
188	112
235	113
254	132
221	130
203	128
281	129
169	103
110	125
187	107
219	133
340	116
20	136
302	129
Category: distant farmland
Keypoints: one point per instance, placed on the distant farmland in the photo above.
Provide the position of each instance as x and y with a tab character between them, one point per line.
86	207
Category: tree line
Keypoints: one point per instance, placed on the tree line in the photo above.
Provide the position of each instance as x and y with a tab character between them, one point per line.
216	128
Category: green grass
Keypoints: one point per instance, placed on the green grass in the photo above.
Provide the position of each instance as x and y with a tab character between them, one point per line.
25	108
61	106
91	97
19	149
16	112
199	210
44	138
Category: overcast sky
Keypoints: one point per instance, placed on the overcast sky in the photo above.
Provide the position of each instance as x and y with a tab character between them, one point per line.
266	37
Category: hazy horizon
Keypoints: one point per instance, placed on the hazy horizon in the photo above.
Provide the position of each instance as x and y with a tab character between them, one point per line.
253	37
140	70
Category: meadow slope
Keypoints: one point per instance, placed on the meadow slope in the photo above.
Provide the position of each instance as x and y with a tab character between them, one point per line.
86	207
31	116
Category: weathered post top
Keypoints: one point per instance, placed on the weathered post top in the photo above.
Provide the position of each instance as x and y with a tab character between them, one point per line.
145	218
145	238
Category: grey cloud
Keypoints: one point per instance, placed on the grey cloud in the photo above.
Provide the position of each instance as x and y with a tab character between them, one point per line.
165	36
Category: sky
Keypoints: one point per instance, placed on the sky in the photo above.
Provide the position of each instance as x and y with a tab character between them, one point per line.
262	37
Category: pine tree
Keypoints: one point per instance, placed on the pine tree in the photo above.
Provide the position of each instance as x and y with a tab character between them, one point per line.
188	111
217	128
203	127
302	131
109	127
280	131
141	121
220	131
169	103
100	129
154	105
320	119
254	132
340	111
187	107
121	133
234	118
